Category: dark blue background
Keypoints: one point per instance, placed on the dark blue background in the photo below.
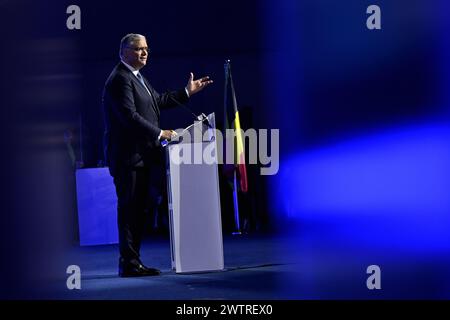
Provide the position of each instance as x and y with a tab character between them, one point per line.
363	118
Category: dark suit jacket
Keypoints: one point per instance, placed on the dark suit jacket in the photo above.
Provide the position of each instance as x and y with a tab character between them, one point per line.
132	118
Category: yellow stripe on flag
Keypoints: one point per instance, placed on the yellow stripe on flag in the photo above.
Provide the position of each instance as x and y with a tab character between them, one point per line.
240	145
240	154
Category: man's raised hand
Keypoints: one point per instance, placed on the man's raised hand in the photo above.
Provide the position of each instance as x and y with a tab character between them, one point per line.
194	86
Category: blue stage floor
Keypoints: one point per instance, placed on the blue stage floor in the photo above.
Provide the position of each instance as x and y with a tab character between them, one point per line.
316	264
251	271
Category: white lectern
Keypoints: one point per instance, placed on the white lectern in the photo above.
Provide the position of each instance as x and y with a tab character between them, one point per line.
194	199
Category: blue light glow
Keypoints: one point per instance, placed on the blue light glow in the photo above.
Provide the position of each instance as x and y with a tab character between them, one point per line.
396	183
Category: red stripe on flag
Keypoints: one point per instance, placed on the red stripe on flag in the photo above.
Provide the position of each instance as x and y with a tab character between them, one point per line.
243	173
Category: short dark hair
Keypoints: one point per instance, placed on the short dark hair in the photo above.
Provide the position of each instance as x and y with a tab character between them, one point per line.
127	40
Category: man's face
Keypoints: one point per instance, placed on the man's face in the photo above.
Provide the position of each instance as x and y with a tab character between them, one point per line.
136	53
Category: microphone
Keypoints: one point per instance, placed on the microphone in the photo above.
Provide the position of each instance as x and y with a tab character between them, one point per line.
202	117
182	105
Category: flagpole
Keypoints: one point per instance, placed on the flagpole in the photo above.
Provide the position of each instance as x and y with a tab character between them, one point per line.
227	67
236	206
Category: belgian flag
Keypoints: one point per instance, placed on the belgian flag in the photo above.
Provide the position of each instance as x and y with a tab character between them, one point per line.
231	121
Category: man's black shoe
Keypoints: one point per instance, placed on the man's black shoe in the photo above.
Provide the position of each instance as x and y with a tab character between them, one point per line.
136	269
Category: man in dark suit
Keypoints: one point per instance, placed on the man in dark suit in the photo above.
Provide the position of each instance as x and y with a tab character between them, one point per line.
132	143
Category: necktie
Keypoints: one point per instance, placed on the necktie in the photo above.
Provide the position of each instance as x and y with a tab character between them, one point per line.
141	79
